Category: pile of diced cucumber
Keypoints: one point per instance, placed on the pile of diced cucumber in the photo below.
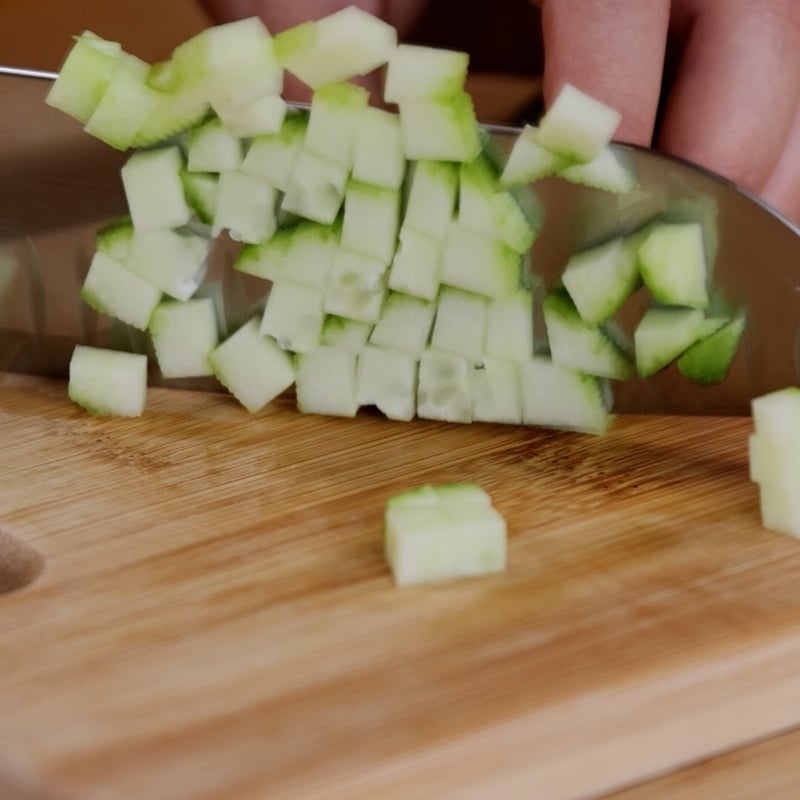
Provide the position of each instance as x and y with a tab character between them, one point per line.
392	243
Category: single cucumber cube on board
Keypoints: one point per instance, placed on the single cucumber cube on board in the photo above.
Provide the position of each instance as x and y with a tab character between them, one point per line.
154	189
271	156
184	335
108	382
293	316
173	261
336	48
112	289
578	345
126	104
252	367
440	129
175	113
346	334
672	262
577	126
776	415
416	72
405	324
416	267
245	207
387	379
114	238
84	76
371	220
336	113
315	188
356	287
201	190
444	387
496	394
600	279
775	461
260	116
378	156
509	327
529	161
709	359
662	335
460	324
326	382
432	196
558	397
212	148
780	507
606	171
478	263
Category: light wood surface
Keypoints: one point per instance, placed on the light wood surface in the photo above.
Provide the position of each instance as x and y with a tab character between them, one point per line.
215	620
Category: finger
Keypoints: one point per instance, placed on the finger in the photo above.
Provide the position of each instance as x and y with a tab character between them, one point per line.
611	49
229	10
735	94
782	189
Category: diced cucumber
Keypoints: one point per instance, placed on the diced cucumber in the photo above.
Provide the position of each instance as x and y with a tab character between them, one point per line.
126	104
578	345
387	379
336	113
346	334
780	507
577	126
371	220
245	207
252	367
271	156
606	171
509	327
114	239
335	48
315	188
416	268
84	76
201	190
154	189
444	388
496	391
405	324
776	415
432	197
662	335
480	264
672	263
171	260
440	129
416	72
775	461
558	397
293	316
112	289
173	114
108	382
212	148
709	360
260	116
184	335
378	156
600	279
356	287
529	161
326	382
460	324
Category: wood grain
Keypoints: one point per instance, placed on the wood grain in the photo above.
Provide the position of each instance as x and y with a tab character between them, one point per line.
215	620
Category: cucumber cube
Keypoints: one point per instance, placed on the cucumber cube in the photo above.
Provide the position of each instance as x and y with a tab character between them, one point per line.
212	148
315	188
252	367
293	316
271	156
356	287
245	207
173	114
780	507
529	161
606	171
709	359
432	196
460	324
201	190
404	325
154	189
776	415
260	116
416	268
184	335
378	156
346	334
336	114
114	239
108	382
509	327
672	263
558	397
112	289
662	335
371	220
387	379
496	394
440	129
775	461
326	382
416	72
444	388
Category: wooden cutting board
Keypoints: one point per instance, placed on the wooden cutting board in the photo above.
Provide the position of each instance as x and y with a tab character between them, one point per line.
214	619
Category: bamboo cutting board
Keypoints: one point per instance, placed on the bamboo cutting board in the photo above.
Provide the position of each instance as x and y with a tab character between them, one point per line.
214	619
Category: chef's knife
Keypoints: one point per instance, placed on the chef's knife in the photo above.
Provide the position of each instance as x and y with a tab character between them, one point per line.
58	185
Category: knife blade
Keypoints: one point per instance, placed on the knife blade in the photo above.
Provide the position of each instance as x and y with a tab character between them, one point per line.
59	185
